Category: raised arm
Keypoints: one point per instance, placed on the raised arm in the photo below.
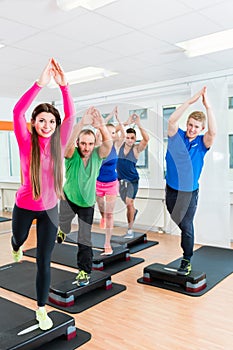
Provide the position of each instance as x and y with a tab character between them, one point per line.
109	117
120	131
173	121
87	119
68	105
130	120
20	124
145	137
106	145
211	121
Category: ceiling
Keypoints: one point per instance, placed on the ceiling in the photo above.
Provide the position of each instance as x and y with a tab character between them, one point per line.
132	37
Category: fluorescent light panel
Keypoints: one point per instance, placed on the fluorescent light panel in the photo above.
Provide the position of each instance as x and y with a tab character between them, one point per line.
67	5
207	44
85	74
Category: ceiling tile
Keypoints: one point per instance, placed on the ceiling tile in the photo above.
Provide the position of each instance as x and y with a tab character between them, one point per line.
41	14
179	28
130	44
91	28
138	14
199	4
220	14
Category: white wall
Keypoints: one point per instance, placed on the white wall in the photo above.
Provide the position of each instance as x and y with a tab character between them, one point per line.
7	106
6	110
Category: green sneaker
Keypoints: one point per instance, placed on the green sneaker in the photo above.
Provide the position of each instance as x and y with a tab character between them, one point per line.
185	267
61	236
82	278
17	256
44	320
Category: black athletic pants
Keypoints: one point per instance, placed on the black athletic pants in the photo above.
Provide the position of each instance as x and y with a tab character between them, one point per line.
68	210
46	229
182	207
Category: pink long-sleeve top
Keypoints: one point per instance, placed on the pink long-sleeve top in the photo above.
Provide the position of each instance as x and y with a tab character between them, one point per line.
24	195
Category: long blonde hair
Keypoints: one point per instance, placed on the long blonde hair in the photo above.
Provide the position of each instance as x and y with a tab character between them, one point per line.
55	148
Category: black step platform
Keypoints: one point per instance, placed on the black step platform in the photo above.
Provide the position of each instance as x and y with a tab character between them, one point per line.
20	278
65	292
139	242
101	261
15	333
193	282
139	238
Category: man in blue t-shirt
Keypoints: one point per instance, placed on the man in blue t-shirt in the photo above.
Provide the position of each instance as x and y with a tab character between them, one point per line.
185	159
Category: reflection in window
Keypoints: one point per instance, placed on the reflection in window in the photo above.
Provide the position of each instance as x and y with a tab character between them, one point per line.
9	157
167	111
142	162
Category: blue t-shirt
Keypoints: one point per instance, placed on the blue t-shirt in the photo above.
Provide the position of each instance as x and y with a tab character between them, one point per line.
185	160
126	165
108	171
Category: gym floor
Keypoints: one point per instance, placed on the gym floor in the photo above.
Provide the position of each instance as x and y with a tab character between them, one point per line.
145	317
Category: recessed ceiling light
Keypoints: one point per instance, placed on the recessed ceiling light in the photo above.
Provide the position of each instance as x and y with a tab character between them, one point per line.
67	5
208	43
85	74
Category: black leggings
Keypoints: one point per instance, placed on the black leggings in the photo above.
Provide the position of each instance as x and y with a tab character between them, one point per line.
46	229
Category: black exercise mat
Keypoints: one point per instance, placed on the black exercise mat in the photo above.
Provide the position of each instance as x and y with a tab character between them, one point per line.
21	277
3	219
14	315
66	254
216	262
98	240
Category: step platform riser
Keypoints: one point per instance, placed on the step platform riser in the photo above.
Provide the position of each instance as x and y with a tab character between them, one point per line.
193	282
65	293
101	261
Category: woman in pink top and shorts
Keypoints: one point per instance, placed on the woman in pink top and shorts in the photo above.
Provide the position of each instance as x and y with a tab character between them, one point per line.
107	186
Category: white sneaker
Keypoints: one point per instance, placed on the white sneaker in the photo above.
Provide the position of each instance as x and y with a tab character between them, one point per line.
129	234
44	320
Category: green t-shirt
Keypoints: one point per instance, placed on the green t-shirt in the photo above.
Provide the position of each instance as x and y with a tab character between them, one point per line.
80	184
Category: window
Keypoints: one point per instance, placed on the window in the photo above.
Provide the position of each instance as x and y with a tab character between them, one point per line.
230	102
231	151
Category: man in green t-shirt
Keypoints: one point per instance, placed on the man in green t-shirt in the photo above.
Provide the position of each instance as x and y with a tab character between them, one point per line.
82	163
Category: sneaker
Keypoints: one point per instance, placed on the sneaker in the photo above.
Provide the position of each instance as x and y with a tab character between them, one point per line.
102	223
82	278
44	320
61	236
135	214
185	267
129	234
17	256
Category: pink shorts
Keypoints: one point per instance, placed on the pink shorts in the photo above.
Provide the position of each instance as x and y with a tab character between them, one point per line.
107	188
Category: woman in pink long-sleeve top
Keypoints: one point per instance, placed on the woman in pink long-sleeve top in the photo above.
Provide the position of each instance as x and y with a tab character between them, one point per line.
41	155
